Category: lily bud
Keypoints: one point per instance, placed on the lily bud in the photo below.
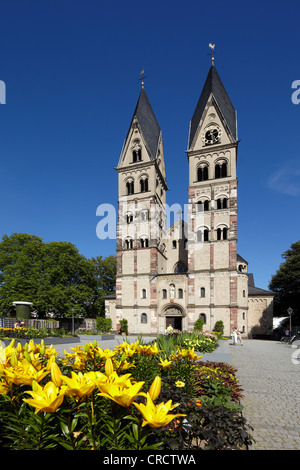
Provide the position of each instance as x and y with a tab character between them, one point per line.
14	358
155	388
56	374
27	356
42	350
109	368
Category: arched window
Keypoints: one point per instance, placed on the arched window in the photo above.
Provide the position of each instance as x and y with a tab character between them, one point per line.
203	206
222	233
222	203
180	293
202	292
202	173
164	293
203	317
129	217
180	267
144	242
144	215
136	155
144	185
128	243
221	170
203	235
130	187
144	318
144	294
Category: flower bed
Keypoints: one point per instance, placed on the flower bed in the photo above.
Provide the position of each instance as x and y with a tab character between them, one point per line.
133	397
31	333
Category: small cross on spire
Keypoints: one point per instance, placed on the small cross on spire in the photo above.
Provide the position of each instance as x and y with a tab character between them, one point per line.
212	47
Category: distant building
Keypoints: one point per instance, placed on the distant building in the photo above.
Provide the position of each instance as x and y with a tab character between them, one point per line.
174	275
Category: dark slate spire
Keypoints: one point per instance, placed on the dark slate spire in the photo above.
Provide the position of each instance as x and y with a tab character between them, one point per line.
214	85
148	123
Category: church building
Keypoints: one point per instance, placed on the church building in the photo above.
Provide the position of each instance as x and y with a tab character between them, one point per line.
175	275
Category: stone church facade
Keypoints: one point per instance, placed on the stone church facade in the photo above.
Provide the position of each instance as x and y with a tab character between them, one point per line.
174	275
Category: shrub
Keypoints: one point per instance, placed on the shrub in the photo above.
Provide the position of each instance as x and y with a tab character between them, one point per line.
103	324
219	328
198	325
124	326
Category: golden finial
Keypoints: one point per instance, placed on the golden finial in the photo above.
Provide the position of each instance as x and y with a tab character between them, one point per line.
212	47
142	77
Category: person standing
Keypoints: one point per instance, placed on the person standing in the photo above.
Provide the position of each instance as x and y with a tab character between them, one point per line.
239	337
234	337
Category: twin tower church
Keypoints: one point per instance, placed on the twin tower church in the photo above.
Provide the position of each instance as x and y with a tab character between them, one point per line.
175	275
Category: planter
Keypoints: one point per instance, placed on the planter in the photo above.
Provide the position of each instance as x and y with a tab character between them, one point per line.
100	337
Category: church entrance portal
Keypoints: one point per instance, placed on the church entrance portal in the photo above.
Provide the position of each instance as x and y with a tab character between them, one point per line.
174	322
174	318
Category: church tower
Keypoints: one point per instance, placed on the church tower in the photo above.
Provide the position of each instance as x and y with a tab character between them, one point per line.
141	219
172	276
216	288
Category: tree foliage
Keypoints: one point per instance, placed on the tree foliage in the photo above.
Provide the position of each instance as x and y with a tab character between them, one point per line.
54	276
286	283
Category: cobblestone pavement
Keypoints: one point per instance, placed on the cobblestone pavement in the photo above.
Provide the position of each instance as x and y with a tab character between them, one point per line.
269	373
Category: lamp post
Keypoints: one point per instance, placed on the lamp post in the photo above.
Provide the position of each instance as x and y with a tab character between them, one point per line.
73	330
290	311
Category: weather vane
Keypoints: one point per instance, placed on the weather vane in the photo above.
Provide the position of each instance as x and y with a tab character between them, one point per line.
142	77
212	47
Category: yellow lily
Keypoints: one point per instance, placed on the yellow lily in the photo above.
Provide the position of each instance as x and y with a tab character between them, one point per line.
164	363
122	365
47	398
24	373
156	416
120	392
79	385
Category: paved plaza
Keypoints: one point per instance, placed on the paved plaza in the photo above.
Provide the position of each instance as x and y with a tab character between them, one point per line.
269	373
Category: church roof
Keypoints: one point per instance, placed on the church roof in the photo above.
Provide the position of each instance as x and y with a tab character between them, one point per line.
214	85
256	291
148	123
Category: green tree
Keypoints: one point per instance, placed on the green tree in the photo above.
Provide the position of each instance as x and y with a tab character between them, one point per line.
286	284
105	272
54	276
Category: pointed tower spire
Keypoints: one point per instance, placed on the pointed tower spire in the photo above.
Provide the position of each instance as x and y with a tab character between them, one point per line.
147	122
213	85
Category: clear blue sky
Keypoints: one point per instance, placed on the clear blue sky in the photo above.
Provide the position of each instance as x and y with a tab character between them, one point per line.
71	70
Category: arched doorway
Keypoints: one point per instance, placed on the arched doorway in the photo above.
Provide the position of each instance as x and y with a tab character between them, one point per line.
173	317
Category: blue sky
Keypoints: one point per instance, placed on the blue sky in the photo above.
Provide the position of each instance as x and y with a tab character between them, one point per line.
72	70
